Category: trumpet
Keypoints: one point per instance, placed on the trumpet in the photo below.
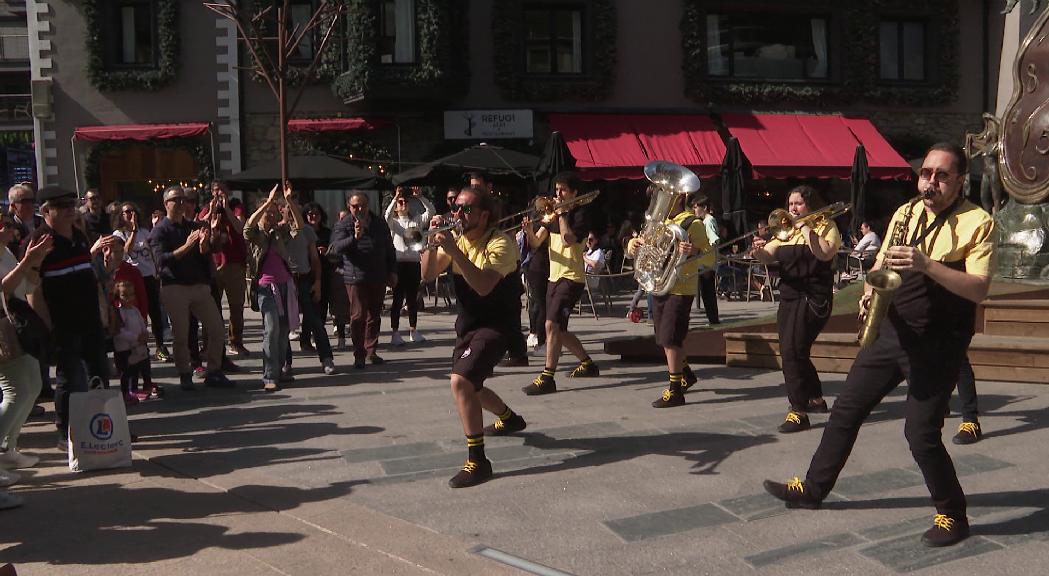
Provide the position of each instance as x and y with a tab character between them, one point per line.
545	207
454	226
783	225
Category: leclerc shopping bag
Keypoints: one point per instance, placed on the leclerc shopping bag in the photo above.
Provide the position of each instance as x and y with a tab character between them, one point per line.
98	431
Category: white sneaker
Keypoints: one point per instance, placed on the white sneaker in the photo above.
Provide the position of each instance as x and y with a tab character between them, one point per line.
334	330
7	477
416	336
532	341
293	335
329	366
539	350
396	339
15	460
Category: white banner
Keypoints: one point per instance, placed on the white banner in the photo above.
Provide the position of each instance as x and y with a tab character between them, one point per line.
487	124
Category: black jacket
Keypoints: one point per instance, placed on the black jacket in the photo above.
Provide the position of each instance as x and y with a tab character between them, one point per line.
369	260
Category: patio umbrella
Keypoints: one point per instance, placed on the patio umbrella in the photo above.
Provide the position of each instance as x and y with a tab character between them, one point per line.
494	160
733	202
556	158
310	172
858	180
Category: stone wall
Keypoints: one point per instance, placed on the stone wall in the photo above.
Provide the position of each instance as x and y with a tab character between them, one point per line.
911	132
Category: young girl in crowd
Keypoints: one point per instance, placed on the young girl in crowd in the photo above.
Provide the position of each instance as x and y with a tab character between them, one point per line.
129	346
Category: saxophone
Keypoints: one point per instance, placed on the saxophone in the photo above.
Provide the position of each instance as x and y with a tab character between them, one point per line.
659	257
884	282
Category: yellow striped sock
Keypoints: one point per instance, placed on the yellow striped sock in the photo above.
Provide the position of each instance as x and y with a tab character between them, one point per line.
506	415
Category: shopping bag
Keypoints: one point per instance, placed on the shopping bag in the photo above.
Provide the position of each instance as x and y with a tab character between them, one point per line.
98	431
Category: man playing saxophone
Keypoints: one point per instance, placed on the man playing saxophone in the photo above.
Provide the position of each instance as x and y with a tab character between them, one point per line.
671	311
945	263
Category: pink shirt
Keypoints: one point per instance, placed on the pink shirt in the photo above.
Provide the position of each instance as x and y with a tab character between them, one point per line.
274	270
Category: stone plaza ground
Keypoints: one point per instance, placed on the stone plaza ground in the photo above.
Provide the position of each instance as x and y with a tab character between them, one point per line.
347	474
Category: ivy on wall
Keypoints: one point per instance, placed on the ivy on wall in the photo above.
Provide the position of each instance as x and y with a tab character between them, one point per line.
373	156
196	147
106	78
509	49
859	68
441	62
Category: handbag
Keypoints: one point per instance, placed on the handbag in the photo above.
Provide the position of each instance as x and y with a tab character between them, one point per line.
31	334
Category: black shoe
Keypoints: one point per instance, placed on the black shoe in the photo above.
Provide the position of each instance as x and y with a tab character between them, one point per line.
217	379
795	422
585	370
306	347
376	359
794	494
185	381
968	433
669	399
689	379
36	411
472	474
509	362
359	363
229	366
818	406
541	385
513	424
946	531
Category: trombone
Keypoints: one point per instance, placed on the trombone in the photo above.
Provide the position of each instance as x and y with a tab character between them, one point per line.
544	206
782	226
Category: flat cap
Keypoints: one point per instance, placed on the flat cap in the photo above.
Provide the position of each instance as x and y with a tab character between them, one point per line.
52	193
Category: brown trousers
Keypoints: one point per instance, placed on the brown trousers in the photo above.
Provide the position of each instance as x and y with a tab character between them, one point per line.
230	279
365	315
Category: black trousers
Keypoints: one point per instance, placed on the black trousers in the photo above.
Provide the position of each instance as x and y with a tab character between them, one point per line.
967	391
709	295
407	290
516	346
930	366
800	322
537	305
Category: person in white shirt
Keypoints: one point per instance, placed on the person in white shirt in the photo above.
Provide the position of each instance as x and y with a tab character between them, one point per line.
594	256
867	248
407	216
707	283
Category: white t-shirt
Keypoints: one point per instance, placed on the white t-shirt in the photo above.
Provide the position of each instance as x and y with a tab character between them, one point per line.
141	255
8	262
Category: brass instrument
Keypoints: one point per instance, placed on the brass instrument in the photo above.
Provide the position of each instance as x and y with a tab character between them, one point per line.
884	281
453	226
548	208
783	225
659	257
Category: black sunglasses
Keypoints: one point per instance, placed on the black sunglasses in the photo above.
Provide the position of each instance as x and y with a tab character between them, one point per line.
466	208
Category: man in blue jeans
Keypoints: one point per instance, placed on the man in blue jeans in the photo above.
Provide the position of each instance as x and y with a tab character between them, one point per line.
67	299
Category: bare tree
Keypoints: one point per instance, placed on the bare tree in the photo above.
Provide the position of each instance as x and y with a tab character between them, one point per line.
253	32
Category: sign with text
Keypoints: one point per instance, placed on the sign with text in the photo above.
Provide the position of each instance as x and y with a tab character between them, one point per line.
487	124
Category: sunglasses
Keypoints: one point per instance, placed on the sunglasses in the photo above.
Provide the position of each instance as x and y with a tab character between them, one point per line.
313	214
128	211
466	208
176	200
26	201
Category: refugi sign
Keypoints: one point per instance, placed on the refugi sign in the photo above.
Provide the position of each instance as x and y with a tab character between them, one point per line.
487	124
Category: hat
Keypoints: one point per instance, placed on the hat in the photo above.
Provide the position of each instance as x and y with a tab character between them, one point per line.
52	193
174	192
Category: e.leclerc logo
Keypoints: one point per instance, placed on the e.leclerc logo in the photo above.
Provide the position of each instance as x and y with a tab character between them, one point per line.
102	426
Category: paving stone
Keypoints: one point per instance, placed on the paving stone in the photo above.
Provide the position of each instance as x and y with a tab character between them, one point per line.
832	542
391	452
977	463
907	553
449	460
914	525
751	506
877	482
669	522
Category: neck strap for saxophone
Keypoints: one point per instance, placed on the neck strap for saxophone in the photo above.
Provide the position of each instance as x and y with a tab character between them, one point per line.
921	231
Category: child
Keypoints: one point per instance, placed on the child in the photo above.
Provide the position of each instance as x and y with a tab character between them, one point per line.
129	346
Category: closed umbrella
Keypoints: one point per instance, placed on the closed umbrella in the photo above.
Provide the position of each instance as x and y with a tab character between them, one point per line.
733	201
493	160
556	158
858	180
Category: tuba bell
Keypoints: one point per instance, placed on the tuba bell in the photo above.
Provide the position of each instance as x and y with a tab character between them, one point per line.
659	257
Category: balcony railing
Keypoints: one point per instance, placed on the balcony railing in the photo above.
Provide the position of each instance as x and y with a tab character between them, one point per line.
16	108
14	48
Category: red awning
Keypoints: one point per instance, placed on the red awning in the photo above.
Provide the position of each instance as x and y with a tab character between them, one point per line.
813	146
141	132
336	124
617	146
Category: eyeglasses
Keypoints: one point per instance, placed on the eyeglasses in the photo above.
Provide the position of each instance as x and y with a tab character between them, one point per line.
357	206
178	200
128	211
936	176
26	201
466	208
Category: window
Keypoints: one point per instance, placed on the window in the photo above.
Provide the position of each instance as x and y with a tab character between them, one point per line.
554	40
301	12
901	50
397	32
768	46
131	34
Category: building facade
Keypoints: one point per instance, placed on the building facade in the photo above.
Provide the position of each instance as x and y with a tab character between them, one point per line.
448	73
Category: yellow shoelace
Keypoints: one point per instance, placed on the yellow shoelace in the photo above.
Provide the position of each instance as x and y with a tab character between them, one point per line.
969	428
943	522
538	381
499	425
794	418
796	485
581	369
667	395
470	466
